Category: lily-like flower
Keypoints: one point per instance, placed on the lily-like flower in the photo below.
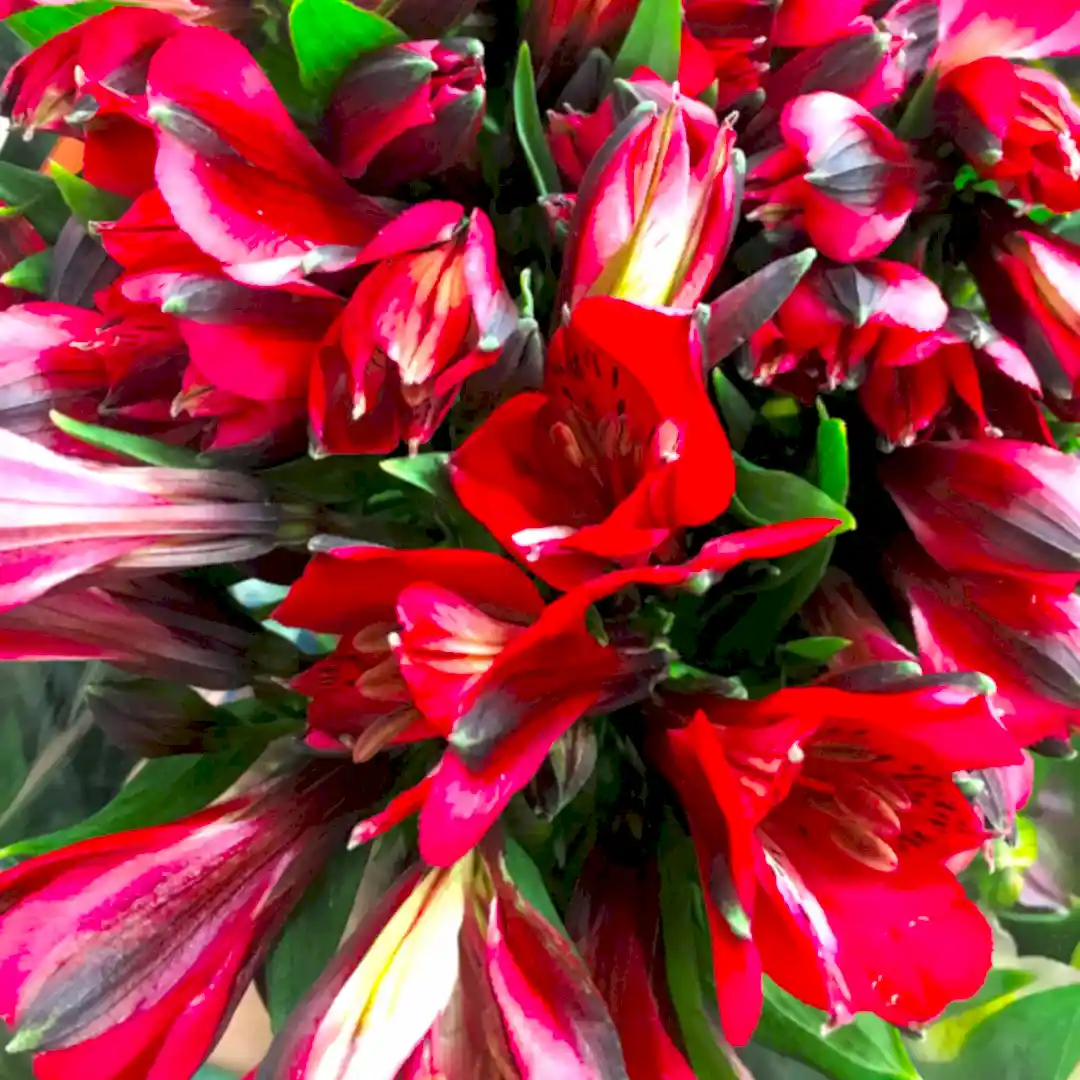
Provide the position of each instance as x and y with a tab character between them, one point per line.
1028	279
730	40
431	312
408	111
810	22
64	518
126	954
841	175
237	174
811	807
459	644
494	992
561	32
655	210
992	506
612	459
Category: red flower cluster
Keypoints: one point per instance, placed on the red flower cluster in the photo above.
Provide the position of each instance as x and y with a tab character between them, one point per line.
549	597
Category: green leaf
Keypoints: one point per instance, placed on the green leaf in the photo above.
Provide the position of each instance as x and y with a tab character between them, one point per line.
42	23
688	957
328	35
163	790
765	496
866	1049
424	471
653	41
312	934
35	197
31	273
523	872
530	126
818	649
735	410
86	202
1027	1028
833	464
139	447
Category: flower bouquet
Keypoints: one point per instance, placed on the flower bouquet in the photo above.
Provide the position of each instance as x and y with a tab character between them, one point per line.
566	517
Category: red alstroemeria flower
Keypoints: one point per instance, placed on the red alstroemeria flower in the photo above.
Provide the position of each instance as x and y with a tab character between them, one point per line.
614	918
814	806
612	459
124	955
840	320
1024	635
62	518
730	40
561	32
1018	126
163	627
431	312
1028	278
90	81
238	176
810	22
841	175
495	991
408	111
656	208
487	665
992	506
970	30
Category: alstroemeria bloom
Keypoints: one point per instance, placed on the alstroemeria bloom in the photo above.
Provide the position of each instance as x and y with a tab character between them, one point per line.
731	40
61	518
1018	126
90	81
1022	634
124	955
815	806
561	32
839	320
841	175
494	991
237	174
459	644
1028	278
408	111
655	210
614	918
992	506
612	459
162	627
431	312
810	22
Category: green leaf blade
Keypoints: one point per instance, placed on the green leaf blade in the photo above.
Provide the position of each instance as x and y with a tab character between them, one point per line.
654	41
140	447
530	126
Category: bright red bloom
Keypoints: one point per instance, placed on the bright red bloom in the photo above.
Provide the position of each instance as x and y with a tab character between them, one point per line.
992	506
841	321
814	806
731	39
408	111
841	175
486	664
612	459
614	919
810	22
973	29
163	627
62	518
655	210
124	955
431	312
494	991
238	176
1019	126
1024	635
1028	278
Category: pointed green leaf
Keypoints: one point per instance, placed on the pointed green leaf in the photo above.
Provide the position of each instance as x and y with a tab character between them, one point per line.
735	410
328	35
523	872
35	197
41	23
818	649
766	496
530	126
833	464
654	41
140	447
31	273
86	202
424	471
